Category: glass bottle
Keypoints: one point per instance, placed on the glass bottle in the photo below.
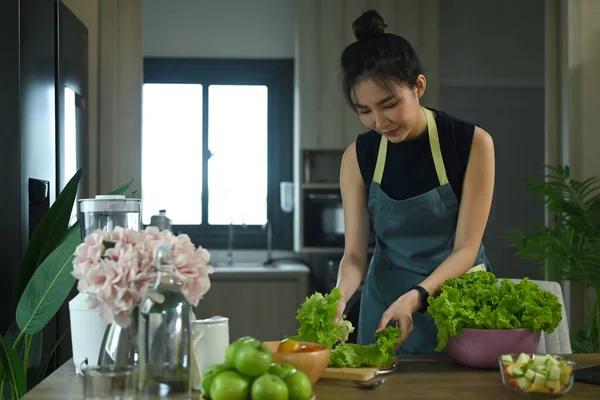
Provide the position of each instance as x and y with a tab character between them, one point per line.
164	335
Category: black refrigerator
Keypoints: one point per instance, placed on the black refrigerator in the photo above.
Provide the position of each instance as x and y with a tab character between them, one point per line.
43	136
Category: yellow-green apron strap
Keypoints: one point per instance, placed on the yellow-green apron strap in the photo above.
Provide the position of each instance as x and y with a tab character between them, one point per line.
436	152
383	143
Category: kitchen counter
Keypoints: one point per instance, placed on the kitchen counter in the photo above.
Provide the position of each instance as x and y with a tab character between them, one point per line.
257	270
414	380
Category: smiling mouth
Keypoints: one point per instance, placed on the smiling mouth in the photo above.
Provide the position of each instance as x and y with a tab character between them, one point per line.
391	133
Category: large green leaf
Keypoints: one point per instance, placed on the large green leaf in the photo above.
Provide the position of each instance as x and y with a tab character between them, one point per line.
49	286
29	347
123	188
52	353
47	235
13	372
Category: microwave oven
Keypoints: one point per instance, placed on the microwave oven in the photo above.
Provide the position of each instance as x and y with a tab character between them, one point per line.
323	220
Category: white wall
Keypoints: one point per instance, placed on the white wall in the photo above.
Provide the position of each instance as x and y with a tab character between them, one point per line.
219	28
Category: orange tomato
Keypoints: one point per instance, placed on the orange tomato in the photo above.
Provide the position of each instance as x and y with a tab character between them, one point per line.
288	346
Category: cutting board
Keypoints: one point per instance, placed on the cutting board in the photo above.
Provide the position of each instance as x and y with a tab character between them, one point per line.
355	374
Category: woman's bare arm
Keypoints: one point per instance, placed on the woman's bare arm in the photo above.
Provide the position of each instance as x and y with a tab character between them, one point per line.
356	225
478	189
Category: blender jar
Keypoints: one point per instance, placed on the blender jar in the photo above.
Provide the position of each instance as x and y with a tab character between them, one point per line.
106	212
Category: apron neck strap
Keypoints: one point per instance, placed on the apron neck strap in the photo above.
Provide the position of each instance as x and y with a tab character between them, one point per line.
434	144
378	174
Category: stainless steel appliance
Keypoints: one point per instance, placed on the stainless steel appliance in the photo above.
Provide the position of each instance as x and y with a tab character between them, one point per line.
44	54
323	220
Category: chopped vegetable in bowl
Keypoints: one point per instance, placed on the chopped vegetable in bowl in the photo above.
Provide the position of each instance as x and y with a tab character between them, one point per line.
537	373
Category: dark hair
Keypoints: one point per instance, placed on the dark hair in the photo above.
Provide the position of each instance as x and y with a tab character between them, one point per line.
375	54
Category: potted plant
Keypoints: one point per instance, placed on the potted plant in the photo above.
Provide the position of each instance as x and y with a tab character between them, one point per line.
42	284
478	319
570	249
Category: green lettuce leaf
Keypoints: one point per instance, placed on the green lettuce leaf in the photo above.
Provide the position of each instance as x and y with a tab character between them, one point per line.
316	316
377	354
316	320
475	300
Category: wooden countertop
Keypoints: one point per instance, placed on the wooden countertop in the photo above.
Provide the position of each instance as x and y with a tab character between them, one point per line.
414	380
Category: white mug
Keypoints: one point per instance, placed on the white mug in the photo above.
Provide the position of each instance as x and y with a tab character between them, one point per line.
210	339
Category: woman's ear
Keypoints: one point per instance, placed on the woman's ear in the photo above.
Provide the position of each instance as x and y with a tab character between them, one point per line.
421	85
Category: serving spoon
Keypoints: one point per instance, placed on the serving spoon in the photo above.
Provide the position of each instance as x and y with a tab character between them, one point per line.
370	384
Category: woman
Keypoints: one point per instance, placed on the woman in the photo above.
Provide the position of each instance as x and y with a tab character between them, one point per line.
425	178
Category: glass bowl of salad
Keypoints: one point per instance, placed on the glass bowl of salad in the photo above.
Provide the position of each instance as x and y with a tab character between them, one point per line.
539	375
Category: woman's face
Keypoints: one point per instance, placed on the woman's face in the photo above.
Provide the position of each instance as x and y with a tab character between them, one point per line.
394	113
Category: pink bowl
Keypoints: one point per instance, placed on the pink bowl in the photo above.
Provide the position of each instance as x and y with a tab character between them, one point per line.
480	348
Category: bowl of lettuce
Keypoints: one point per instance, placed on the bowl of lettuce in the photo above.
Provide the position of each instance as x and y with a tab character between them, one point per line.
479	319
316	318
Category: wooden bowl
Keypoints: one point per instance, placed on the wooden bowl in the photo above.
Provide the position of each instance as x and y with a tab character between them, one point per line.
312	363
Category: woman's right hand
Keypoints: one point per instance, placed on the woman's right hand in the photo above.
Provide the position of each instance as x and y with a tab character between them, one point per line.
341	306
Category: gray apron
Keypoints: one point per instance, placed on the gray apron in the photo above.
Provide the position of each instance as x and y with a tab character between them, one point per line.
413	237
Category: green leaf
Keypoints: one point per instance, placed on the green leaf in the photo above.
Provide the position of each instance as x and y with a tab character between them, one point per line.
30	347
46	236
123	188
49	286
52	352
378	354
13	370
316	315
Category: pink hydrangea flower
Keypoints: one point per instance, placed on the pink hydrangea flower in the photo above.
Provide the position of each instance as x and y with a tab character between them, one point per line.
116	269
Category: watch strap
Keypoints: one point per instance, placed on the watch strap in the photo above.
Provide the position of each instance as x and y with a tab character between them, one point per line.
424	296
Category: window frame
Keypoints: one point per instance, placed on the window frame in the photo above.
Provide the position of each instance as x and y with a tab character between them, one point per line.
278	76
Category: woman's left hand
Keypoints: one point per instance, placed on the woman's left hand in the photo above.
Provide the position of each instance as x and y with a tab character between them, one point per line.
401	311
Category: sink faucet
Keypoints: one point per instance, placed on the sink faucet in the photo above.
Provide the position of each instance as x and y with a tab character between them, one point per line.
269	229
230	245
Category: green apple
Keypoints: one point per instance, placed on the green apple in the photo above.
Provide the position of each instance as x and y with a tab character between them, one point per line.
281	369
208	376
232	349
269	387
299	386
253	358
229	385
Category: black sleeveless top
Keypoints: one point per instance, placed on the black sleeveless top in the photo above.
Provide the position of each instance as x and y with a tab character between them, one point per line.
409	168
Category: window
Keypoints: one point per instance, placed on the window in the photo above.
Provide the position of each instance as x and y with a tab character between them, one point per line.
216	143
69	145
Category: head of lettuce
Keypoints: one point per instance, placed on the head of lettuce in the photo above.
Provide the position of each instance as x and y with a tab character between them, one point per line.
476	301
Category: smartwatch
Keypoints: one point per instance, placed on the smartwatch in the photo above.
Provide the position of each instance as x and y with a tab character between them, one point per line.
424	296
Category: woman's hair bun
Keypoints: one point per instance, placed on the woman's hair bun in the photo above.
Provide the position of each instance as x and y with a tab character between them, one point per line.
369	24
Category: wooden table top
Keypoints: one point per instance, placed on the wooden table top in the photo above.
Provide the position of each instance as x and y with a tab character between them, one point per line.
414	380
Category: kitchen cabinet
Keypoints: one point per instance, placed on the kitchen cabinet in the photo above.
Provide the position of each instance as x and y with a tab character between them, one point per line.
260	302
323	29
